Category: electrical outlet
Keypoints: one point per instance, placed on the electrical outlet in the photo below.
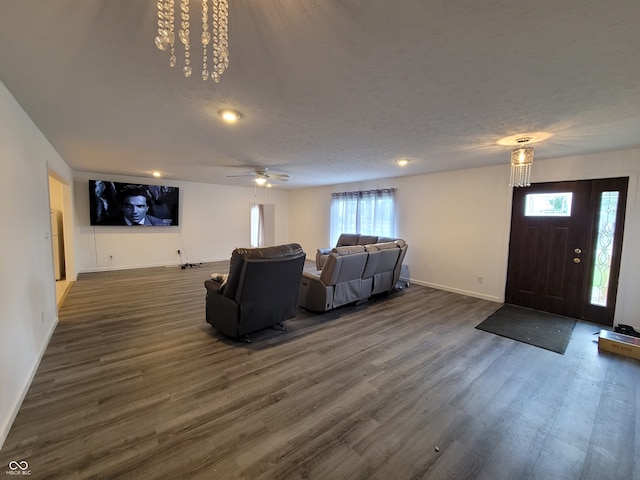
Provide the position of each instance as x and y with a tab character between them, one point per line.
480	279
179	252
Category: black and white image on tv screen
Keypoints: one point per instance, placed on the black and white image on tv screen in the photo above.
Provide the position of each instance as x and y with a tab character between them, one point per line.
115	203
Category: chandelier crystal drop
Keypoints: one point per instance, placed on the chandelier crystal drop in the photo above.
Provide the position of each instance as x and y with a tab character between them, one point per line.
521	161
214	37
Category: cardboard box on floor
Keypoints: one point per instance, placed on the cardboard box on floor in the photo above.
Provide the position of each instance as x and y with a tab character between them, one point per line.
619	343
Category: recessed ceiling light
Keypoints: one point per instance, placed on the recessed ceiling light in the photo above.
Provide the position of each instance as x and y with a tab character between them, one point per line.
230	116
156	174
402	162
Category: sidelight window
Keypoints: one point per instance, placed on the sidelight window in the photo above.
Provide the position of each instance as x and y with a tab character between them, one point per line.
604	248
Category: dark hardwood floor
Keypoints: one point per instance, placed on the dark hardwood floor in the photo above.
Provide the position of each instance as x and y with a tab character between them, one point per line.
135	385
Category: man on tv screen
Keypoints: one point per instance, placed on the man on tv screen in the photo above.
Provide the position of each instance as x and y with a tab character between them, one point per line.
134	204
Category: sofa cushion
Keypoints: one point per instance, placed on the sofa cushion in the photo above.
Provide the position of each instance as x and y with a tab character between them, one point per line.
367	239
347	239
373	258
386	239
343	267
349	250
387	246
383	276
278	251
239	255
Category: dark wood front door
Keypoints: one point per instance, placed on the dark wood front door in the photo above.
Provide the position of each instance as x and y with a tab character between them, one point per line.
560	233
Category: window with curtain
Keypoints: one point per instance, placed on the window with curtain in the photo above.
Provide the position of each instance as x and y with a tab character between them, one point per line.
368	212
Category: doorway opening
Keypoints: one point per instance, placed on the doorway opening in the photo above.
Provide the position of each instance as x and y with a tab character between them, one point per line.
262	224
59	198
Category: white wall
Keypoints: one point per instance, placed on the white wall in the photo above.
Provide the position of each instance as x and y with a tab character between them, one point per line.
214	219
27	290
457	223
441	217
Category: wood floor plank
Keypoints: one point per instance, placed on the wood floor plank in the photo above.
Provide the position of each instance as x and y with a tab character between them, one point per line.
134	384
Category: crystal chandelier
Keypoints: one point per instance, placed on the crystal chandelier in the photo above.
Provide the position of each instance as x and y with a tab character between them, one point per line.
218	37
521	161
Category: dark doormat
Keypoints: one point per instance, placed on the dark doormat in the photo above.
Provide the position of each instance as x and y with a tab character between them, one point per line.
540	329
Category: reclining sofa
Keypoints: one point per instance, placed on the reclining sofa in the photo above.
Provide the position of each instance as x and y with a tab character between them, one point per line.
260	290
348	240
352	273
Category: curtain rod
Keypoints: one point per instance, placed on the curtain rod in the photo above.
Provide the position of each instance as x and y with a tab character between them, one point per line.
358	192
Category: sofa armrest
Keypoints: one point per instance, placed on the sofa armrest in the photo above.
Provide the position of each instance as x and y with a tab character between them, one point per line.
221	312
321	257
314	294
212	285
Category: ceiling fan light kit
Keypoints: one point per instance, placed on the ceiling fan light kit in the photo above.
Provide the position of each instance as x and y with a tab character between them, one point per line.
261	176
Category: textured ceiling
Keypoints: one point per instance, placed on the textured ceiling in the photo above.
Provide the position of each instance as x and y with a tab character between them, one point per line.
331	90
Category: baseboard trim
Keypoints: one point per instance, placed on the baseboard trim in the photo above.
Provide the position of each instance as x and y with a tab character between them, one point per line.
154	265
468	293
8	422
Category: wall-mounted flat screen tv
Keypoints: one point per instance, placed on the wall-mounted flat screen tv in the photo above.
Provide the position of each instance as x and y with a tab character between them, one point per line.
114	203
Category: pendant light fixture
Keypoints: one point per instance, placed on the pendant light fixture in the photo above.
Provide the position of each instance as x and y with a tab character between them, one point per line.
215	43
521	161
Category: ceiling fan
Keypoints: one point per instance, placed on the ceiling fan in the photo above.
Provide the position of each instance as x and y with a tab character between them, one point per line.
261	175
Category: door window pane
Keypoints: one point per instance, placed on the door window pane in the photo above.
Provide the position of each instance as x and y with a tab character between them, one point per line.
604	248
548	204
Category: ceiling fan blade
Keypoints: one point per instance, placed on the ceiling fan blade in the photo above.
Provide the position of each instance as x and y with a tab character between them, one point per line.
279	176
263	173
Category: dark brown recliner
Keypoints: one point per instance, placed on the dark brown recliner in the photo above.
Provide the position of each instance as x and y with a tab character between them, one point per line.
261	290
